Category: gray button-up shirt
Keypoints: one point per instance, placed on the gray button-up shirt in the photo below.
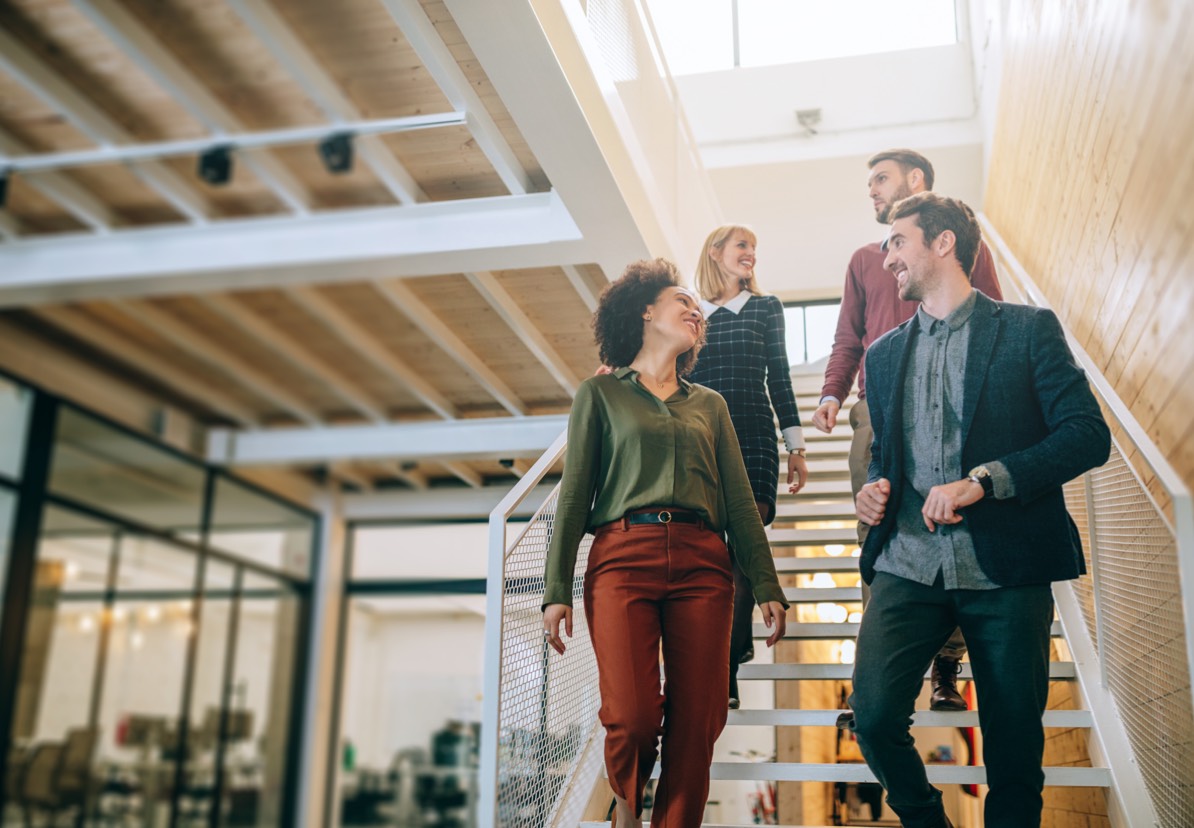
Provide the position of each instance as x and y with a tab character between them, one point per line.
932	439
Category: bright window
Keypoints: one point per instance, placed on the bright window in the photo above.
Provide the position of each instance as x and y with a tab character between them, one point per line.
699	35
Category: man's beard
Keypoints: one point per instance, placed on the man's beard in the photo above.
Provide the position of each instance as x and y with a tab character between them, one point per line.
884	215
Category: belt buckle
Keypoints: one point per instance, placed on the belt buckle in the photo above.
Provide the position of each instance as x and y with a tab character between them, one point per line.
665	516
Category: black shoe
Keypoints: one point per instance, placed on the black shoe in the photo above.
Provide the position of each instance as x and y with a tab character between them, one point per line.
944	679
845	721
734	703
747	655
734	697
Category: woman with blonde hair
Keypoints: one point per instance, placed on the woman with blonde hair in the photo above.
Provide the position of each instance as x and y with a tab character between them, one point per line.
745	360
653	470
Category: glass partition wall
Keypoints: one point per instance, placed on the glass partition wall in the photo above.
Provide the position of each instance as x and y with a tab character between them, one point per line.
153	630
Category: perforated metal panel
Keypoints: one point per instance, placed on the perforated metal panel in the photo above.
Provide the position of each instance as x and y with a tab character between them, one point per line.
1143	648
549	739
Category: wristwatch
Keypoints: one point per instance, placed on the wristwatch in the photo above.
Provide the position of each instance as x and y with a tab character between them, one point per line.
982	476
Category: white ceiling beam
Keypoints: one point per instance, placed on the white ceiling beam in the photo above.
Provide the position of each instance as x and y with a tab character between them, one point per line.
291	350
420	32
403	299
491	438
290	52
219	356
371	349
96	124
547	109
103	339
141	47
582	286
504	232
438	504
526	330
62	190
463	472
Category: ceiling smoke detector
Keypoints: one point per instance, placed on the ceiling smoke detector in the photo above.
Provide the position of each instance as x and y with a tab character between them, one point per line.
809	119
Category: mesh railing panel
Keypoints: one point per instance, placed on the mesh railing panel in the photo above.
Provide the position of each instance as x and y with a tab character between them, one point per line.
1075	502
1144	648
548	736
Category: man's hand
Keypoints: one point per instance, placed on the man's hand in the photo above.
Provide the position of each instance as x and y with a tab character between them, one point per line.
942	505
552	616
774	613
872	501
797	472
825	417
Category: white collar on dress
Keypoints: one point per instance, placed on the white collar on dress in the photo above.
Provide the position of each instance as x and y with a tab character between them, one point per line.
733	306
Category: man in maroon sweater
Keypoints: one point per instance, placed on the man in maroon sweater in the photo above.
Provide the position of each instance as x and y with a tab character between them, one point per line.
871	307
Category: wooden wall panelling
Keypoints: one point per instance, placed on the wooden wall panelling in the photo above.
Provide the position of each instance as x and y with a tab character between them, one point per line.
1090	174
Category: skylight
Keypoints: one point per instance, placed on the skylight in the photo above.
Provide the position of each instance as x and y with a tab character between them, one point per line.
713	35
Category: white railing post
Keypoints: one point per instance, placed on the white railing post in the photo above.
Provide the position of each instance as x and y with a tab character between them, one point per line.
1095	573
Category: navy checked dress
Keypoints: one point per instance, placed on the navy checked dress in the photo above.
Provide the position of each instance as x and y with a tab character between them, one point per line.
746	357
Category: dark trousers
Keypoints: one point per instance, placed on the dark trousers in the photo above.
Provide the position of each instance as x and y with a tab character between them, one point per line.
646	584
1007	629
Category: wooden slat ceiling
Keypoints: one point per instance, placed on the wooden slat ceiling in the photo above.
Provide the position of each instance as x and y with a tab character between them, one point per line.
325	354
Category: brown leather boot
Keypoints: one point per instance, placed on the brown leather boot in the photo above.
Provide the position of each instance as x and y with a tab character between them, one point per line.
944	679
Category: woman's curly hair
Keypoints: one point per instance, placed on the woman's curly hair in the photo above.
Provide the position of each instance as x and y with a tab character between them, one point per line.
618	322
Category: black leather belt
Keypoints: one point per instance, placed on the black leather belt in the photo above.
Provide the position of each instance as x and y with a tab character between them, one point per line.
663	516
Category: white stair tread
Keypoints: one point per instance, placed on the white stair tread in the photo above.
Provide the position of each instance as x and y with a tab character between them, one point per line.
821	563
803	508
833	630
812	537
817	595
938	774
843	672
814	435
921	718
821	466
833	486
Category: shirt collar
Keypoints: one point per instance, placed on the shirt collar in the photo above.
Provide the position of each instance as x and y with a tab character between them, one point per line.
734	306
960	316
626	371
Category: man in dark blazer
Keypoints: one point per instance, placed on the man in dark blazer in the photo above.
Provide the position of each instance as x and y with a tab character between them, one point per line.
980	415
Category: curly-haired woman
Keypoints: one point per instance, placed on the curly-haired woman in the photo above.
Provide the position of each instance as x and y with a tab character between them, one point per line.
653	470
745	360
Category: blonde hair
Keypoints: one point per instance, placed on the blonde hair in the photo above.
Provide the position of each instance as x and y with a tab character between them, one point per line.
711	279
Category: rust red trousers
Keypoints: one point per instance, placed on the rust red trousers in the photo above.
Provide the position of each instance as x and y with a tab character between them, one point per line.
646	584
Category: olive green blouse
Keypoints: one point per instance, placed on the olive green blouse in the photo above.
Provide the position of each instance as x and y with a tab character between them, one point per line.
628	449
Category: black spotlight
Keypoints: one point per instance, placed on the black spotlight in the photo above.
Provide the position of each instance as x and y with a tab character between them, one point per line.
215	166
3	189
336	152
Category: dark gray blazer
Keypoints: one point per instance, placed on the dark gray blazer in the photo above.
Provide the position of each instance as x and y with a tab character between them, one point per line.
1027	404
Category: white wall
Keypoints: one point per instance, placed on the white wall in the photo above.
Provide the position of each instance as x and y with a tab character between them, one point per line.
811	216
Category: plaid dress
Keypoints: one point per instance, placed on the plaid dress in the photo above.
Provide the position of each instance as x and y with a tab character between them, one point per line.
745	358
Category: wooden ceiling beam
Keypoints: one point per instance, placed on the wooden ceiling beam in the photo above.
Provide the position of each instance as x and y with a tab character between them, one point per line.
103	339
526	330
141	47
403	299
371	349
420	32
463	472
294	56
582	286
411	477
291	350
62	190
219	356
97	125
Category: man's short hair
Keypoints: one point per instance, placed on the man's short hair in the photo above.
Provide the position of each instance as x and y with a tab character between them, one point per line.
935	214
907	160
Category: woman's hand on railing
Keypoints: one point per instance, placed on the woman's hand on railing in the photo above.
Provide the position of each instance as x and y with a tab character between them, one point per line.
775	617
552	616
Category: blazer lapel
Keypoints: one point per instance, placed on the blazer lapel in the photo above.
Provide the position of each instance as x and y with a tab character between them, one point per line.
984	330
895	402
